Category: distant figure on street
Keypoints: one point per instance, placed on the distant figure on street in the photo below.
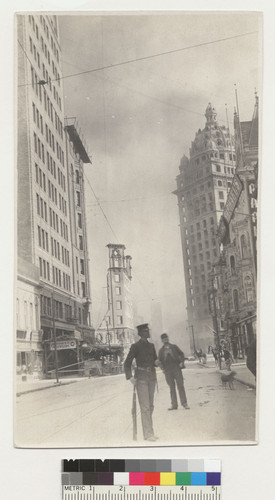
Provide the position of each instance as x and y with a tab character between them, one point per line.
144	378
228	359
251	359
171	360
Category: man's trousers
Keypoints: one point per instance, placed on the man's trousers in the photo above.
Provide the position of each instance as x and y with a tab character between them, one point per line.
172	375
145	392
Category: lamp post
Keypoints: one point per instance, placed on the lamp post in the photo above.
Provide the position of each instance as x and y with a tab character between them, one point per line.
193	336
54	341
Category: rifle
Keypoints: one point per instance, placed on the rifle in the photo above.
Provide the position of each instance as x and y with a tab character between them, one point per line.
134	414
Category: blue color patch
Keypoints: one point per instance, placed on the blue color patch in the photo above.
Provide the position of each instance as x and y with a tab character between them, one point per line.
198	478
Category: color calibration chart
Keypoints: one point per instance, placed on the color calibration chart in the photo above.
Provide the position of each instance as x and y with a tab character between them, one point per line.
193	479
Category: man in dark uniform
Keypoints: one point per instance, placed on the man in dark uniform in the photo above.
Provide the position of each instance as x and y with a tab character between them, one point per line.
144	379
171	360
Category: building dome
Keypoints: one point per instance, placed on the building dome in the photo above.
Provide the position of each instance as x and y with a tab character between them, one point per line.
210	113
184	162
212	137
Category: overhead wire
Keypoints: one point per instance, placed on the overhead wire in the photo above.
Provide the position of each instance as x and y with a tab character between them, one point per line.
137	59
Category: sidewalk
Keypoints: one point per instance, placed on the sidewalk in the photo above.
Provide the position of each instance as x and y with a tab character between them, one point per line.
243	375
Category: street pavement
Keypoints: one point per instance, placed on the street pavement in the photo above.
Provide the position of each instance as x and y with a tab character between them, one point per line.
96	412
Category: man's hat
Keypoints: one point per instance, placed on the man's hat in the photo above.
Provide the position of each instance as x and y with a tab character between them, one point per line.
141	328
164	336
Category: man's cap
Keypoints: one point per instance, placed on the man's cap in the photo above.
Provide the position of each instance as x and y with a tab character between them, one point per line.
141	328
164	336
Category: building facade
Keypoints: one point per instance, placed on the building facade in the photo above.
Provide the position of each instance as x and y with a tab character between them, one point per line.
202	188
238	236
47	244
117	329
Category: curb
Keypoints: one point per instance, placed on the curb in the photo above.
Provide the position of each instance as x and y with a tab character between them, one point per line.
28	391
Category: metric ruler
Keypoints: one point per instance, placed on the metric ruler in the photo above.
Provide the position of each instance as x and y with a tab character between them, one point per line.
193	479
101	492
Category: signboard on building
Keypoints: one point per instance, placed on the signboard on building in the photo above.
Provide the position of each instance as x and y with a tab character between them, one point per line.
233	198
63	344
253	203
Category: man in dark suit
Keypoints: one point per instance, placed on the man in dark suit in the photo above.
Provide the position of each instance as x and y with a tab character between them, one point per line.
144	378
171	360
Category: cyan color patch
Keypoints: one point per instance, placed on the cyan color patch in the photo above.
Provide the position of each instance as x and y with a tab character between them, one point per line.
198	478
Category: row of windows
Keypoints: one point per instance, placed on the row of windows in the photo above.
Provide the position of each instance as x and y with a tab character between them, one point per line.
216	154
37	118
204	224
54	223
41	207
54	144
60	310
64	254
39	147
46	30
52	168
40	177
61	279
44	269
43	238
34	26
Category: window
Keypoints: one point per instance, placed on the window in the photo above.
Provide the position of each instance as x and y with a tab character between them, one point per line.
118	290
218	168
82	266
119	320
236	300
118	304
221	195
219	183
79	220
117	278
244	247
222	205
232	264
80	242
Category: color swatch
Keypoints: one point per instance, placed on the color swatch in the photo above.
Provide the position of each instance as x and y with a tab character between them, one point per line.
142	472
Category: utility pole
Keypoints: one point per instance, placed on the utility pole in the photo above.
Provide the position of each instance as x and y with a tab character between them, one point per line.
108	335
215	323
54	340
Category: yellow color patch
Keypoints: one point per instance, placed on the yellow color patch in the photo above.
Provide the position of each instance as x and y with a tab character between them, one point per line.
167	478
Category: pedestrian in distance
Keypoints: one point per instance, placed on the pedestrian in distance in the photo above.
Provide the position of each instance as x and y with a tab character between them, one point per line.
228	359
144	379
171	360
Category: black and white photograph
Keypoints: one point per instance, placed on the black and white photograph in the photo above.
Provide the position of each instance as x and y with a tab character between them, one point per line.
138	169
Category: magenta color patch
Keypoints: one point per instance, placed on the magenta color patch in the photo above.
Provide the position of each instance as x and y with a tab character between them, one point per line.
136	478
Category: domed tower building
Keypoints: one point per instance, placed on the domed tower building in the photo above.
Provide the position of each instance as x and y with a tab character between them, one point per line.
202	188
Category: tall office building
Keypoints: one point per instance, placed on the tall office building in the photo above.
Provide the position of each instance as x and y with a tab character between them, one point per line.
202	187
52	296
117	328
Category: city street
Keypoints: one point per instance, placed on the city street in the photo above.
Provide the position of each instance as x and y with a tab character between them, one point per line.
96	412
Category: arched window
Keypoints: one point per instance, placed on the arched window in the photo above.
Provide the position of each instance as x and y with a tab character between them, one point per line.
236	300
232	264
244	246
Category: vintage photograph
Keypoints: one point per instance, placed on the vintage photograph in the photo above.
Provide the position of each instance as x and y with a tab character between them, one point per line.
137	179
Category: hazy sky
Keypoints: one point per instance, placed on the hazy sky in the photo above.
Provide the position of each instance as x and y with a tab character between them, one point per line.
138	120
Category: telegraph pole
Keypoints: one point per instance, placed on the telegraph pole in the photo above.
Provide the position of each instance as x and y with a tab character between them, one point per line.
215	323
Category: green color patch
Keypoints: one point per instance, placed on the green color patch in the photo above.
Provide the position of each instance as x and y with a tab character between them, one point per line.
183	478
